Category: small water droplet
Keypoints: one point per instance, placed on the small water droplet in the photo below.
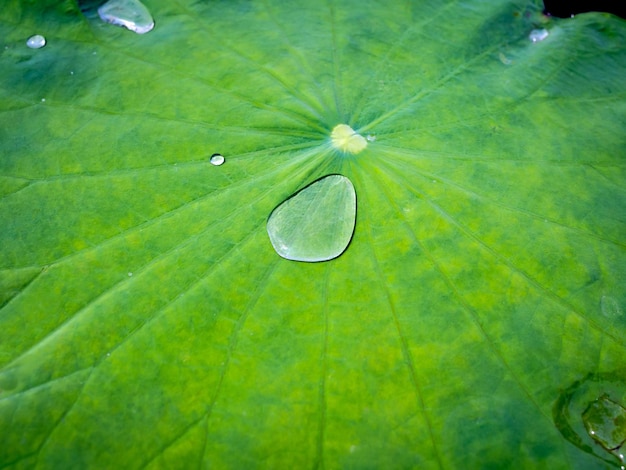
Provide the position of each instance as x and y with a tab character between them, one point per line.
217	159
609	306
131	14
504	59
36	42
371	138
130	274
43	100
537	35
316	223
346	139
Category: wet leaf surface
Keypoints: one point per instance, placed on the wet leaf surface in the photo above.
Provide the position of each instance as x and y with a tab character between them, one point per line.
146	320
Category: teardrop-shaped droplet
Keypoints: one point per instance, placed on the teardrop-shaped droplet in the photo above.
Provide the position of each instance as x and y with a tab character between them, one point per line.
132	14
316	223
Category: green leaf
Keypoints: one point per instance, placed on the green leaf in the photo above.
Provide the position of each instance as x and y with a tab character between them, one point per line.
146	320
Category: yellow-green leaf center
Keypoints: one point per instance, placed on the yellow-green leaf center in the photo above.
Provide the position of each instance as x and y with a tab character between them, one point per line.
345	139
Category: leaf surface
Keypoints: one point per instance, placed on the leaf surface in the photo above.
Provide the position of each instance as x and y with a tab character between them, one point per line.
146	320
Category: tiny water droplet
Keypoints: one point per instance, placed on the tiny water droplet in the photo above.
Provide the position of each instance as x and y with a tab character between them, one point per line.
131	14
316	223
130	274
36	42
217	159
370	138
537	35
43	100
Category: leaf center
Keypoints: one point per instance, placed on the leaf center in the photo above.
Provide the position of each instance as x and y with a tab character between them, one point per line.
346	139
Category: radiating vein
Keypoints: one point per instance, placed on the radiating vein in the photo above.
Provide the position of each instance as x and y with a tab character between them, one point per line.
202	279
430	90
510	265
61	418
193	203
441	82
513	209
311	106
201	162
337	82
412	155
234	336
178	435
409	32
303	64
466	306
406	353
321	425
112	289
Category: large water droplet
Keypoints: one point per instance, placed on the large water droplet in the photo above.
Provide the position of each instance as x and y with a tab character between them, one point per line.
605	421
346	139
590	414
132	14
317	223
36	42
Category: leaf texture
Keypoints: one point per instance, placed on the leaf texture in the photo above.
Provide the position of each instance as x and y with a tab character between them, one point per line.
147	322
